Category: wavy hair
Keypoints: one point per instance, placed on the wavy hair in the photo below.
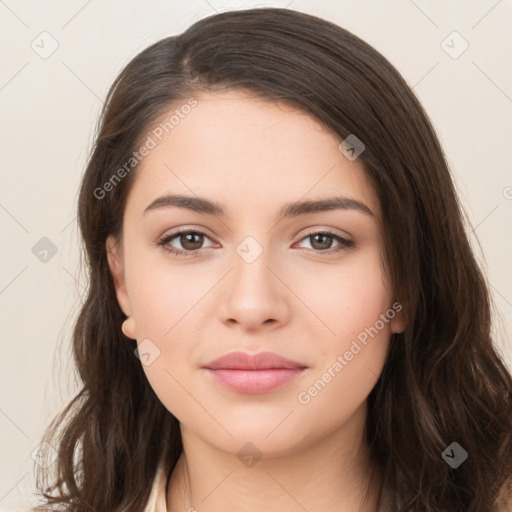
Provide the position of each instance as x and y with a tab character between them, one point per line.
443	381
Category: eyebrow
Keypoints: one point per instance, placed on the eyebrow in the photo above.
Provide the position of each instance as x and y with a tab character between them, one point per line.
294	209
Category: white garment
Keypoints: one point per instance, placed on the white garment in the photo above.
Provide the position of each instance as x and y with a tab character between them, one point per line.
157	499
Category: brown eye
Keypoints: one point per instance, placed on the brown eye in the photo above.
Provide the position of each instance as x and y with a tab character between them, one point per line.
191	242
321	242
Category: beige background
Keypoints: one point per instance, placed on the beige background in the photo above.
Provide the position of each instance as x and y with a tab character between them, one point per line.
49	107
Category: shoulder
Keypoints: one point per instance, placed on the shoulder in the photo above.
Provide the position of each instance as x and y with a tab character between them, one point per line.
504	501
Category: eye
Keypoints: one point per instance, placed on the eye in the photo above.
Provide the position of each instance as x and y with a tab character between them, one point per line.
323	240
191	242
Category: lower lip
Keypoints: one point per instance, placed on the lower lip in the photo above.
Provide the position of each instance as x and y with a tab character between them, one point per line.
255	381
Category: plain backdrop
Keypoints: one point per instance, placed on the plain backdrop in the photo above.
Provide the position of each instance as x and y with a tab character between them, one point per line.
57	61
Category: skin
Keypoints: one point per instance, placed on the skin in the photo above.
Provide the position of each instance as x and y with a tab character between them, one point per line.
253	156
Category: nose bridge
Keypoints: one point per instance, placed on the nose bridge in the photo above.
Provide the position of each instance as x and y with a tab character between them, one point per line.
255	293
251	273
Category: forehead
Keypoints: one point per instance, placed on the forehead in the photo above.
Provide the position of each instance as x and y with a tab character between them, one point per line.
239	147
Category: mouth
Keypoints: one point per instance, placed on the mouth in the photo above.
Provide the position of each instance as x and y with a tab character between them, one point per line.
259	373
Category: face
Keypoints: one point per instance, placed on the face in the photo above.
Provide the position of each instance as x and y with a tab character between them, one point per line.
309	285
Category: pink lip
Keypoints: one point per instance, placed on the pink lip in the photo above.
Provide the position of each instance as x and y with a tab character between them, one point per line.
257	373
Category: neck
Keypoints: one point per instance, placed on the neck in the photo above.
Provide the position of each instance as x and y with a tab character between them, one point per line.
332	474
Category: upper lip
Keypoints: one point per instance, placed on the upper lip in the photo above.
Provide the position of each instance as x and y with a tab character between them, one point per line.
245	361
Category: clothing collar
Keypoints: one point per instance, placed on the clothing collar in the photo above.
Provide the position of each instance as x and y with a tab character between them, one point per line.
158	498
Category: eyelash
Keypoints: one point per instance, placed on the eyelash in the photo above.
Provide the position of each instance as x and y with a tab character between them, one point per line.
344	244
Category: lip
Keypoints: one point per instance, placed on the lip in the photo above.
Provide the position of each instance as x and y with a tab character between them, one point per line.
260	361
258	373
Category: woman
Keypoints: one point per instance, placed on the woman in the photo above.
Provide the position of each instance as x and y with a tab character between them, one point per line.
284	312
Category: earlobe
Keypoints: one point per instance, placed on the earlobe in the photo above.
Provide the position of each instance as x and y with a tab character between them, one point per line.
115	263
398	323
128	328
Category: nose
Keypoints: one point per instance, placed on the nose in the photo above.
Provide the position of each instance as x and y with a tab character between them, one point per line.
254	295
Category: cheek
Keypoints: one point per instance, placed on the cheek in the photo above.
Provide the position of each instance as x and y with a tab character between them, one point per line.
164	292
356	307
348	298
167	306
169	301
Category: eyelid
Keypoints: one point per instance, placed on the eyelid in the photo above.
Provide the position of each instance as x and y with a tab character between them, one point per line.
186	229
324	229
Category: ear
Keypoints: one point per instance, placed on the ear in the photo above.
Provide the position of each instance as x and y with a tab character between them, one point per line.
115	263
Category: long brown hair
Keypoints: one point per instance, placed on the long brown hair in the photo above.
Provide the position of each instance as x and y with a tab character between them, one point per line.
443	381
